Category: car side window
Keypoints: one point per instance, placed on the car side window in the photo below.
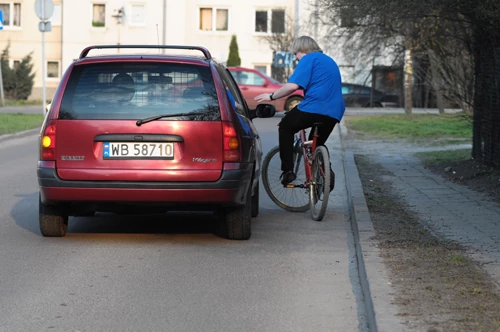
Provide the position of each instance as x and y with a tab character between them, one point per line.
230	86
236	75
346	90
366	91
356	90
250	78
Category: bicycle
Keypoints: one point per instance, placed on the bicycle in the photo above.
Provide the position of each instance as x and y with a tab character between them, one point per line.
312	168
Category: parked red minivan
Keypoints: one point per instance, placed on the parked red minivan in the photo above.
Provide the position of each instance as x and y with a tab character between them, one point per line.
149	132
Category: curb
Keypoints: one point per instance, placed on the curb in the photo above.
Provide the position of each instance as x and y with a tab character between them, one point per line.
357	205
20	134
381	313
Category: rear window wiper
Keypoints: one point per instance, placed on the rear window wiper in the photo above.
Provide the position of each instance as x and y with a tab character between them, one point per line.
157	117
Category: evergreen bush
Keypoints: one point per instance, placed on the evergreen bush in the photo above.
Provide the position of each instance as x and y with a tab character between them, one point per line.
233	59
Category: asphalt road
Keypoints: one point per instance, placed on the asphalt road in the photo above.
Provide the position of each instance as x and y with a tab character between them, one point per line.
169	272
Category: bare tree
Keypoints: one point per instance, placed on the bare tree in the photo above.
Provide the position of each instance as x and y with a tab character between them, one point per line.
468	25
281	42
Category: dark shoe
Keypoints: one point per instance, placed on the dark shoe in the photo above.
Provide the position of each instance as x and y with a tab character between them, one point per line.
332	180
287	177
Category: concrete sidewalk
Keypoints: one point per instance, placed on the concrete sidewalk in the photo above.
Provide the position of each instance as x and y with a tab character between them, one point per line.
451	211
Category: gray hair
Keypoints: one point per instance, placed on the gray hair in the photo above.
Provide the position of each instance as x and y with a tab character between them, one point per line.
305	44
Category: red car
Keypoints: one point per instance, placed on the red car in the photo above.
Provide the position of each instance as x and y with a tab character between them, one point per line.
151	133
253	83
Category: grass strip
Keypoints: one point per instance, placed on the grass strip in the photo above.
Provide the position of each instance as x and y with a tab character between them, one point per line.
15	122
443	156
412	125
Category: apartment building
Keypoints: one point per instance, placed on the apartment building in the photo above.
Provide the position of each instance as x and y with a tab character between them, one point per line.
20	30
210	23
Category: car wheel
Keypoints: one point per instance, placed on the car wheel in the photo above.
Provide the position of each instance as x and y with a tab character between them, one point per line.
292	102
235	223
255	201
53	222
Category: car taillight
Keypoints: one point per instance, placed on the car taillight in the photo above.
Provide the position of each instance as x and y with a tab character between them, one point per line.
231	143
48	143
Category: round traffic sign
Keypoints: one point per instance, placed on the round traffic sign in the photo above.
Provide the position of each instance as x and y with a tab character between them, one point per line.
44	9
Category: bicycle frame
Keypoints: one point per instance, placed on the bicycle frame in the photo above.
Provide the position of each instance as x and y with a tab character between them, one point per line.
308	148
318	180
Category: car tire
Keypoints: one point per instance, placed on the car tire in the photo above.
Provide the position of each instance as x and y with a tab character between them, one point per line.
292	102
235	223
53	222
255	201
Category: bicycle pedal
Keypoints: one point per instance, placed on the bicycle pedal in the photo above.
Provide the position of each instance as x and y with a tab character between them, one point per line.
290	185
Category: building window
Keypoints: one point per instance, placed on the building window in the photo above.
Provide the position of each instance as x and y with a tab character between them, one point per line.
5	8
138	15
52	69
261	68
270	21
278	21
214	19
56	16
11	14
221	19
206	19
15	64
16	15
261	21
98	15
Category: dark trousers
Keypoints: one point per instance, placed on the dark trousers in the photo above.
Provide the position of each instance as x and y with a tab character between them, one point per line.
294	121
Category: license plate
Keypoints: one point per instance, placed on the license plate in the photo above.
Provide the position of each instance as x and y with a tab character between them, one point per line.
125	150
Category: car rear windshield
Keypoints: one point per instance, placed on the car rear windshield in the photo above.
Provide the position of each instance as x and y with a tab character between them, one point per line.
125	91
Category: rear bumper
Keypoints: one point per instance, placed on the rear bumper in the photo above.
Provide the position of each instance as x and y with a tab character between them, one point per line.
230	189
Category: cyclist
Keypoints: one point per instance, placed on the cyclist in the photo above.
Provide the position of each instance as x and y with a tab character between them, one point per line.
319	76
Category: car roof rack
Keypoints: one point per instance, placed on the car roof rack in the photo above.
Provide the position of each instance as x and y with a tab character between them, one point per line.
205	52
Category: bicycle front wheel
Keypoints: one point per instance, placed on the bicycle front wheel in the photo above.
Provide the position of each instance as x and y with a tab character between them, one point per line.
320	185
290	199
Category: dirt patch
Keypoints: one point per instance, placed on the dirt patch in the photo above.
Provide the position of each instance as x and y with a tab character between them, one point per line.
437	288
473	174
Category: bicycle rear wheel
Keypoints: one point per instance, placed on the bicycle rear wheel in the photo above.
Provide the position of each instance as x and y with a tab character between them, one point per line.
320	186
290	199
